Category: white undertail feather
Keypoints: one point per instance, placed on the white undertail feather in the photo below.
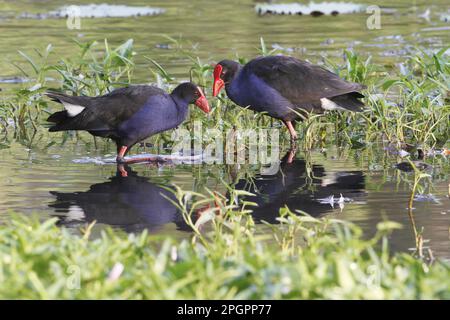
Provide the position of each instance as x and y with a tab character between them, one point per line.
75	213
330	178
72	109
327	104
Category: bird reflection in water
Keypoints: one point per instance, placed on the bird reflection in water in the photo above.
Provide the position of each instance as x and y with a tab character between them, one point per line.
131	202
300	186
134	203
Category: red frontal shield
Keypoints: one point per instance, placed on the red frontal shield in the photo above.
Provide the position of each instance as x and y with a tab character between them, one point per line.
218	82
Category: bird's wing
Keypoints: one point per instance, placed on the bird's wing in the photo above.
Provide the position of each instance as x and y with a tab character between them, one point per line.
299	81
104	112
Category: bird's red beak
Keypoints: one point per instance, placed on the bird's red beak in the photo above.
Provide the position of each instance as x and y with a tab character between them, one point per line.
218	82
202	102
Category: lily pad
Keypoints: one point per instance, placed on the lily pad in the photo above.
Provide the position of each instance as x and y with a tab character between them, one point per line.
314	9
96	11
445	17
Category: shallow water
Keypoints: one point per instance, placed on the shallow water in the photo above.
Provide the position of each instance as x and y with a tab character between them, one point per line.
43	178
224	29
50	182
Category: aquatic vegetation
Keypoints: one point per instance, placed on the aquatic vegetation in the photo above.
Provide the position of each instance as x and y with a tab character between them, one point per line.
87	73
94	74
226	258
404	108
408	104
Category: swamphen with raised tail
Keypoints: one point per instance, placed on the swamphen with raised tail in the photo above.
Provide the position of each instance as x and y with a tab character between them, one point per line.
284	86
127	115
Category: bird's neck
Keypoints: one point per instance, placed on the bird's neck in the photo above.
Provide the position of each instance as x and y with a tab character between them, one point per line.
235	76
232	85
181	108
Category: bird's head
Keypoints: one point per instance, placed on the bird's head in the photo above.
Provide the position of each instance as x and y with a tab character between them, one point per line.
192	93
224	73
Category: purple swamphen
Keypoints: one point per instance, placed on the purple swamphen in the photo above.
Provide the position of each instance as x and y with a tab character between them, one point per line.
127	115
283	86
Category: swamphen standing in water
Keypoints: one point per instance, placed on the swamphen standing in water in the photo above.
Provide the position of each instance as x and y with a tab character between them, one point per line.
127	115
284	86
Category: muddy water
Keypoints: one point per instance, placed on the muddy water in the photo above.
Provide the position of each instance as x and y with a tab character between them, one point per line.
41	176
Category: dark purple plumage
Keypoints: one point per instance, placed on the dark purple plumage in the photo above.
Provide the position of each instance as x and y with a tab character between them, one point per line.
284	86
127	115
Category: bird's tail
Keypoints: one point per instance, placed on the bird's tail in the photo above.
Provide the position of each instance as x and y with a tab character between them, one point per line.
72	107
349	101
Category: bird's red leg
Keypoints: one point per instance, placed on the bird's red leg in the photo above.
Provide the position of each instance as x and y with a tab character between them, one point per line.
291	130
121	154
